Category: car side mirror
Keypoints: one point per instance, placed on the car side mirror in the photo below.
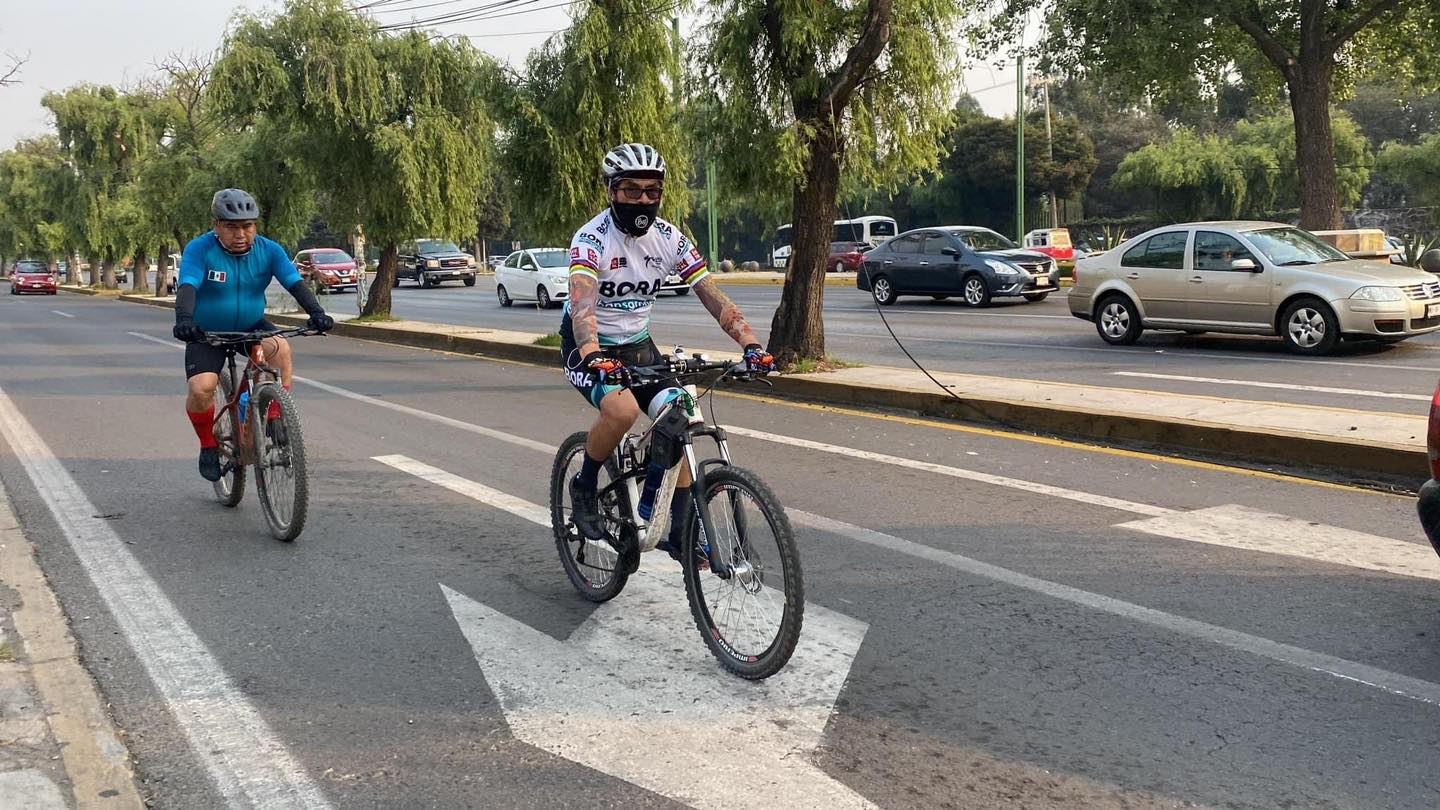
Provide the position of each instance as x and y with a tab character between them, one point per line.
949	251
1245	264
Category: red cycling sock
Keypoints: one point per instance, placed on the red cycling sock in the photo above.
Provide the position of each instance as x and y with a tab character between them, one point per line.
204	424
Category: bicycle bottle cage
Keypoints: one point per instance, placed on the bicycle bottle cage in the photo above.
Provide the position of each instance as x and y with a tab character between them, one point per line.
666	446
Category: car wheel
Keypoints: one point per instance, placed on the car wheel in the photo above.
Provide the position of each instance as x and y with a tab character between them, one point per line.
504	297
424	280
977	292
1037	297
883	291
396	283
1118	321
1308	326
542	297
470	282
682	291
839	267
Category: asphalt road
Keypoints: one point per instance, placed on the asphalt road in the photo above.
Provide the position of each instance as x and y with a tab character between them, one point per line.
1043	625
1028	341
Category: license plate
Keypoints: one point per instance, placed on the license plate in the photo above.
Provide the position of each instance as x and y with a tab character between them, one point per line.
1432	310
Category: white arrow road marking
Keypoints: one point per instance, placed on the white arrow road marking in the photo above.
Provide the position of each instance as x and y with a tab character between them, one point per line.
635	694
1254	530
62	314
250	766
1320	389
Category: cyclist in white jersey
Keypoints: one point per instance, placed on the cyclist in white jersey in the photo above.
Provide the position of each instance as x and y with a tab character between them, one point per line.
618	261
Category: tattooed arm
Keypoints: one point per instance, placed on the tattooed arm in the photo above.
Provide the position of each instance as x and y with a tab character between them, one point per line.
723	310
584	296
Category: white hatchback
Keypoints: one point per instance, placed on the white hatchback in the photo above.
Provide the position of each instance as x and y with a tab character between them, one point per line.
538	274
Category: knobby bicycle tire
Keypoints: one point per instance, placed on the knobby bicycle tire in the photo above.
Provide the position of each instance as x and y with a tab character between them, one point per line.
752	666
231	486
570	545
294	447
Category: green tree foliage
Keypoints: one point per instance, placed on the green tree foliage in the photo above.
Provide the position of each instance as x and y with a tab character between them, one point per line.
36	200
803	93
1414	169
598	84
1174	49
393	128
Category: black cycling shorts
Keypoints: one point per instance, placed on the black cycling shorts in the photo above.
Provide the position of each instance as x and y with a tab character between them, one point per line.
202	358
640	353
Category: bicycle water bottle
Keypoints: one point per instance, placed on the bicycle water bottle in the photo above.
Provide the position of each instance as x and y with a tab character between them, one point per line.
244	404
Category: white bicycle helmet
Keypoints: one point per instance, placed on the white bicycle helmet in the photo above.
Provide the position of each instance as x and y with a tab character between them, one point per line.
632	160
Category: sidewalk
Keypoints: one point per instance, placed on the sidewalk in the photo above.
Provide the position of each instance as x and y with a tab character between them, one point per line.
58	747
1366	445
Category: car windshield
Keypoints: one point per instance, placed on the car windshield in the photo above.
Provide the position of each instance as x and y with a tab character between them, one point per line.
31	267
332	257
1292	247
551	258
436	246
982	239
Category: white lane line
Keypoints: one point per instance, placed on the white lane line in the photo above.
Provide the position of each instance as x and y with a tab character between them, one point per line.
250	766
471	489
1320	389
1249	529
62	314
1364	674
956	472
397	407
1392	682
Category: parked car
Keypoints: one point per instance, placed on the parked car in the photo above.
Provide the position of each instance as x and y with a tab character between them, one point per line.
30	276
1262	278
330	269
539	274
846	256
1053	242
976	263
431	262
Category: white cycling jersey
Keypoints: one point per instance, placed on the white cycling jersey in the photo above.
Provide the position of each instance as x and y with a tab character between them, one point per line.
629	271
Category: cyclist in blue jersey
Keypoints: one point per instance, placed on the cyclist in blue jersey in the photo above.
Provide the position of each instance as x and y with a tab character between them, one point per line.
223	276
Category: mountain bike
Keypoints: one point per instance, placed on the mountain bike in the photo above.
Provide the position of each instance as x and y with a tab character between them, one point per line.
740	564
274	447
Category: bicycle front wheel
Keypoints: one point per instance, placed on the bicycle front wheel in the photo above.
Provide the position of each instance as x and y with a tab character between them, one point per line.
593	566
231	486
751	618
280	477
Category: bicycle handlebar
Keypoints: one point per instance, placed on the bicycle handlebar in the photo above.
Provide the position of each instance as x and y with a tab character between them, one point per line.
693	366
238	338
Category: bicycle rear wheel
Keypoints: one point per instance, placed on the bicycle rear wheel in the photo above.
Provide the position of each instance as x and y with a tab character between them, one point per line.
751	619
231	486
593	565
280	476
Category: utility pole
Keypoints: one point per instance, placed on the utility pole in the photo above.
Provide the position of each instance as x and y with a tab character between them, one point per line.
1050	152
1020	147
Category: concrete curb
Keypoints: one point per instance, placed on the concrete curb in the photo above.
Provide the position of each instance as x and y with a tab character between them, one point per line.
1360	460
92	291
740	279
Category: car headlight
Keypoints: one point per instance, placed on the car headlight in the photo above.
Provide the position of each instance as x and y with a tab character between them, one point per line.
432	262
1002	268
1378	294
559	280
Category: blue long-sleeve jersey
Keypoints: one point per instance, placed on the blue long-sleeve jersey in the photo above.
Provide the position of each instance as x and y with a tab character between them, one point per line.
230	290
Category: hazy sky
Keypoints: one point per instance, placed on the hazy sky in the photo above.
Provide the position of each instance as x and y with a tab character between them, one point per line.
115	41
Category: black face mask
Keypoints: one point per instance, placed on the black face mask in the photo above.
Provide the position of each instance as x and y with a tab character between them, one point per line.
634	218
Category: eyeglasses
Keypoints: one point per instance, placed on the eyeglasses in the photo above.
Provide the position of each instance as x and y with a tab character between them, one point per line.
636	193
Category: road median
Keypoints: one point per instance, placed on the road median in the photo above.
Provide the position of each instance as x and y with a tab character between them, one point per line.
1357	445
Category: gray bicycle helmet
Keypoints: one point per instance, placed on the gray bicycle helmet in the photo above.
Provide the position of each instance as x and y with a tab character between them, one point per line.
632	160
232	203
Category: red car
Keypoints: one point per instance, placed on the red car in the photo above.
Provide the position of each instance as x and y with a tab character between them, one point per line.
32	277
846	256
332	270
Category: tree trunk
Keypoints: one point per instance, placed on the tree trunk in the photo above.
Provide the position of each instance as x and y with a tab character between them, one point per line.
72	268
1315	149
162	274
140	275
378	302
797	332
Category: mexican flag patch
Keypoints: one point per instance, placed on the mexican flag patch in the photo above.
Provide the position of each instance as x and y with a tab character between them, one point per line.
216	275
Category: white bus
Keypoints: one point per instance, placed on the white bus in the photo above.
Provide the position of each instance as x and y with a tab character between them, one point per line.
866	230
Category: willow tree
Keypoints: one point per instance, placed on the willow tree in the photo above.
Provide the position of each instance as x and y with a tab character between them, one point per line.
601	82
106	134
35	198
806	92
1169	49
391	130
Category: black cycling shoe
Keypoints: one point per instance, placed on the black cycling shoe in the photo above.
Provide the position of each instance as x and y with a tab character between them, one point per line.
673	549
585	510
209	464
